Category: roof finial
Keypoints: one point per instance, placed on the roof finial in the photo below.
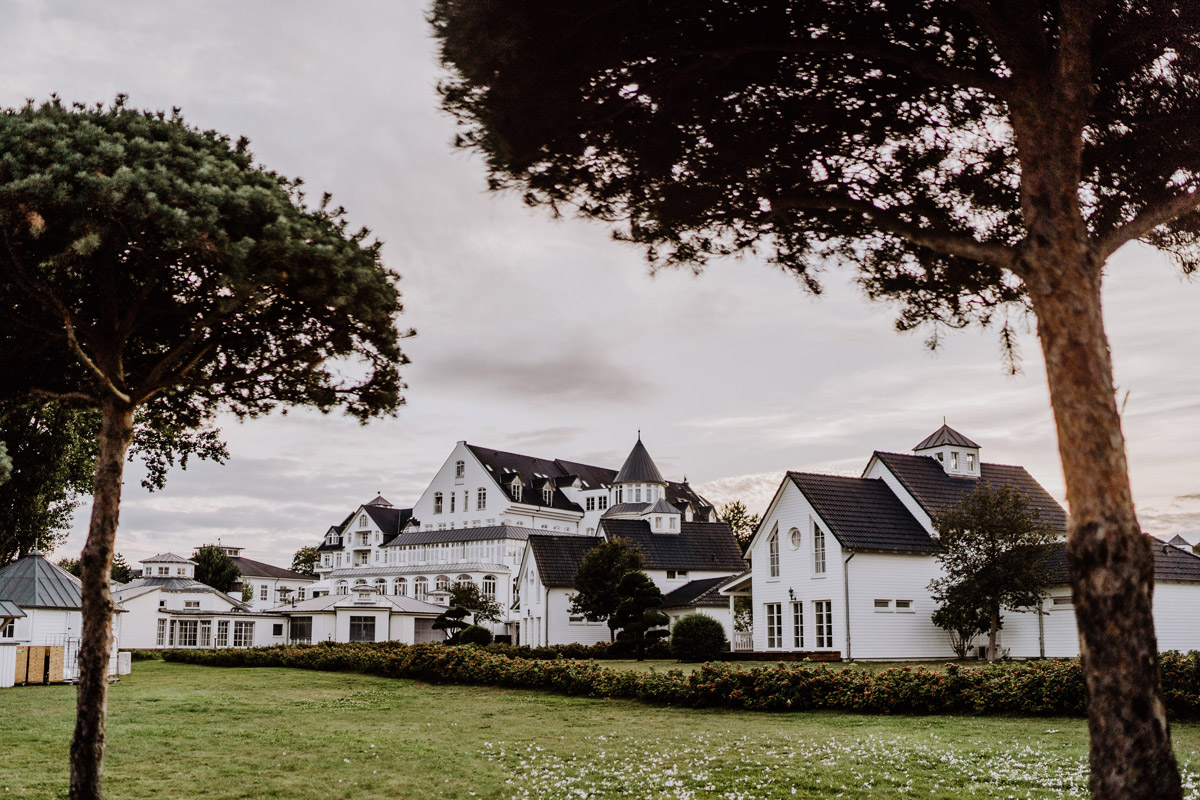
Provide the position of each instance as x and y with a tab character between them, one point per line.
639	434
943	419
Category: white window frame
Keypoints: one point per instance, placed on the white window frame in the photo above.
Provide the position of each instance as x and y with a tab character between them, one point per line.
480	498
818	550
264	591
773	553
222	637
774	614
437	502
243	634
460	469
798	625
823	614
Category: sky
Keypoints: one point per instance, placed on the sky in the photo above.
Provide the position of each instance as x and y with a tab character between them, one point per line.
544	336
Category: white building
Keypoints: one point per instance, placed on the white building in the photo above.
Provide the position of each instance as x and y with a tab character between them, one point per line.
842	565
270	585
168	608
363	615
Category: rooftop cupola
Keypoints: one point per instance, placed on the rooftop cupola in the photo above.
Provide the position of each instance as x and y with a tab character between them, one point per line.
957	454
639	480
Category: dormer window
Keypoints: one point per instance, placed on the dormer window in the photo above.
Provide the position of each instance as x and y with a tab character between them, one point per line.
953	460
516	491
437	502
460	469
970	462
941	457
547	496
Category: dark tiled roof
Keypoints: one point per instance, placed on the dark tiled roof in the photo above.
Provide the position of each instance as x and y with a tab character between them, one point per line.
531	469
639	467
257	569
592	477
945	435
463	535
698	545
324	545
680	493
934	490
1171	564
33	582
863	513
558	557
704	592
390	520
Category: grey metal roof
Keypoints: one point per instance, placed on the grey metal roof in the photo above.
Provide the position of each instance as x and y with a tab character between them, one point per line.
379	500
140	586
625	508
926	480
945	435
863	513
639	467
462	535
697	545
663	507
1180	542
704	592
33	582
167	558
9	610
558	557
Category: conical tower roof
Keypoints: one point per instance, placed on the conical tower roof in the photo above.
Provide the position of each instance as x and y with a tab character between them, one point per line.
33	582
639	467
945	435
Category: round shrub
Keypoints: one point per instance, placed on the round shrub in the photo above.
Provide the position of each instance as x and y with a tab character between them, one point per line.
698	637
473	634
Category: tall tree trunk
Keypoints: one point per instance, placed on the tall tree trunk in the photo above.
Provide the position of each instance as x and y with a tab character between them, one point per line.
1110	560
87	746
994	623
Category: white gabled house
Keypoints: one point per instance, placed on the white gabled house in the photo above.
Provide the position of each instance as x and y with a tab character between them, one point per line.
546	581
842	565
362	615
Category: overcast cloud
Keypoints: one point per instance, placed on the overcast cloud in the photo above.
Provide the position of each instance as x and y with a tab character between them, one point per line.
545	336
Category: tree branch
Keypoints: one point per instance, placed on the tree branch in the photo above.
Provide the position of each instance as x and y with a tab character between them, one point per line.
1146	221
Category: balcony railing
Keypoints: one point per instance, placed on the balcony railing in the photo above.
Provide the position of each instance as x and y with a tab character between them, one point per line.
743	641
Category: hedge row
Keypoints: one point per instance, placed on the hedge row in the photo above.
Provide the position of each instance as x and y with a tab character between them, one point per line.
657	648
1026	688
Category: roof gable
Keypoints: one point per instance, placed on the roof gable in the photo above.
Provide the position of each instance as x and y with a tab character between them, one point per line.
558	557
943	436
863	513
33	582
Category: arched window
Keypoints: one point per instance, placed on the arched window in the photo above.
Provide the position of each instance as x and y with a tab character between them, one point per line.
400	587
381	586
442	583
362	521
489	585
361	582
420	587
481	499
463	580
437	502
773	553
459	469
818	550
342	588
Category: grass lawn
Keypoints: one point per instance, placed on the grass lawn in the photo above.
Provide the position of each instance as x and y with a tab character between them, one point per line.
183	731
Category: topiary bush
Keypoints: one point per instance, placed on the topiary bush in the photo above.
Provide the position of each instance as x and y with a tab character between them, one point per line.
474	634
698	637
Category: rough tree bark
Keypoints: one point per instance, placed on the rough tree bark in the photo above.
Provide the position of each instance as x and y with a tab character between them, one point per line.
87	745
1111	563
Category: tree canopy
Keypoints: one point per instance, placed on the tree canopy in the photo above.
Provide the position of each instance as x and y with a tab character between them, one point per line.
971	160
305	560
215	568
482	607
600	571
740	521
154	269
638	611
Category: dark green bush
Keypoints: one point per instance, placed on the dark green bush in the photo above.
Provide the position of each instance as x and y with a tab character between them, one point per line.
698	637
474	634
145	655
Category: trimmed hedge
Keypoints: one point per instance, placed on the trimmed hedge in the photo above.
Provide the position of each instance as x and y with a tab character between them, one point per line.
1025	688
601	650
698	637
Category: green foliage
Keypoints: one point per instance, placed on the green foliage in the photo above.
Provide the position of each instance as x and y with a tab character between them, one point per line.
305	561
5	464
994	555
1037	688
474	634
638	612
217	570
70	565
469	596
247	592
452	620
601	569
740	521
698	637
121	571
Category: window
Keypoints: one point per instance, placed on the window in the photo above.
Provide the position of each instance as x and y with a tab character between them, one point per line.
243	634
602	502
362	521
904	606
222	639
441	583
672	574
818	551
191	603
970	462
516	491
773	553
774	623
400	587
794	536
437	502
591	504
883	605
8	629
489	585
480	499
953	460
364	538
672	519
162	603
823	610
263	591
161	638
301	629
326	560
339	559
548	496
342	588
187	632
1060	602
453	497
798	625
300	593
277	629
940	457
637	494
362	629
181	571
460	469
166	571
381	586
206	633
421	588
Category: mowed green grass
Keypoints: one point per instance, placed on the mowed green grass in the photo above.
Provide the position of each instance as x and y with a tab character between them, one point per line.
182	731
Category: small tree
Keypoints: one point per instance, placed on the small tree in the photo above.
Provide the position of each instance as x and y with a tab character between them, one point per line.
153	269
452	620
305	561
247	592
481	607
962	620
638	610
994	555
740	521
601	569
121	571
216	569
